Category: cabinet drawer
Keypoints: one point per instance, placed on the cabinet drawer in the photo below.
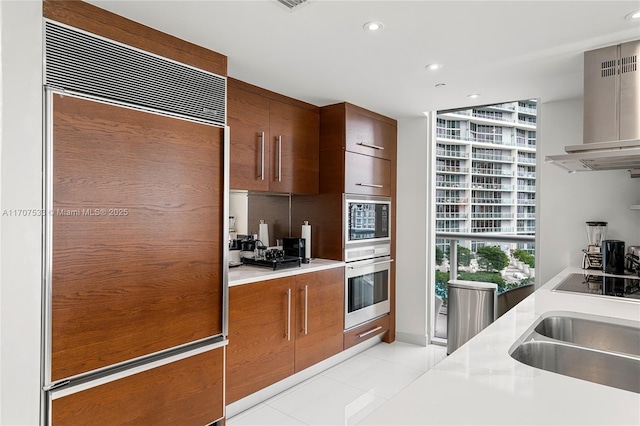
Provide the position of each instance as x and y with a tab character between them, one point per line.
367	175
187	391
366	331
366	135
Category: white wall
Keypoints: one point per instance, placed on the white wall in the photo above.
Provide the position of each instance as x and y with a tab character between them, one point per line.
412	227
566	201
20	188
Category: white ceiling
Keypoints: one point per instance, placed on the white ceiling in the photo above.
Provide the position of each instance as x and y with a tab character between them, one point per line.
319	53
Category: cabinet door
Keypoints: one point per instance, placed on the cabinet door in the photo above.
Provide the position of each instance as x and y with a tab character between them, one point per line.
184	392
136	239
295	136
367	175
248	118
369	136
319	321
261	339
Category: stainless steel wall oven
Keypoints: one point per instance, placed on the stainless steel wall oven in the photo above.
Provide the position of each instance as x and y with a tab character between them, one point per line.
368	258
367	290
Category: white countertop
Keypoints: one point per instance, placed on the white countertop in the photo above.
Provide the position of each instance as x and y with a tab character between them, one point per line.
480	384
247	274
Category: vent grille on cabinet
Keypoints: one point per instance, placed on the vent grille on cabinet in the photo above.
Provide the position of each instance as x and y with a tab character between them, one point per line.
291	4
88	64
608	68
629	64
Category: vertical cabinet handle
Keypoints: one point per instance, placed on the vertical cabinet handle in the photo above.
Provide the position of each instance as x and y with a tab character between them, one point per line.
306	309
289	314
279	158
262	156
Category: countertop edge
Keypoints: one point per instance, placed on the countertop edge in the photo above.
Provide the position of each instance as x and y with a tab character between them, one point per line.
251	274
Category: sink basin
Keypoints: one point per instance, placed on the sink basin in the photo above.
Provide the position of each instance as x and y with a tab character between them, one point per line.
599	367
587	347
591	334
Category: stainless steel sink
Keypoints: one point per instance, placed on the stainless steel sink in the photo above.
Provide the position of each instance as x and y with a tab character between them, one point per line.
596	349
591	334
599	367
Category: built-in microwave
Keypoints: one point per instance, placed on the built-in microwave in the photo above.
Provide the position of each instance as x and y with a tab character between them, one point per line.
367	219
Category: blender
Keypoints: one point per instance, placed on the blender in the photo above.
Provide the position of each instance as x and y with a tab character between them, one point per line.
592	258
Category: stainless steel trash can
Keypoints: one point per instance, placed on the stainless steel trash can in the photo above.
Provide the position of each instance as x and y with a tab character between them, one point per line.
471	307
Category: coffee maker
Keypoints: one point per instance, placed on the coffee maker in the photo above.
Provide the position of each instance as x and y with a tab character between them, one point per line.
596	233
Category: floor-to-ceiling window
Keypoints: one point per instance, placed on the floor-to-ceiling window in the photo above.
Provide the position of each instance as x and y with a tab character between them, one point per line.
485	184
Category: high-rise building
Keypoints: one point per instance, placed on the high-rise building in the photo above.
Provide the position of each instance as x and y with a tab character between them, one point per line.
486	171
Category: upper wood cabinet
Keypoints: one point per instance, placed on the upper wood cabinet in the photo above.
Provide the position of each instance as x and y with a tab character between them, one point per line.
367	175
357	151
368	134
274	141
248	120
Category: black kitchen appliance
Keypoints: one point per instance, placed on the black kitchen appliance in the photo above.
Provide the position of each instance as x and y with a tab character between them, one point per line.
613	257
274	259
601	285
295	247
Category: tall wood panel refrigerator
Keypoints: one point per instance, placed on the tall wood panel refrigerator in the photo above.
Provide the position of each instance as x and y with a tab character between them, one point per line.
135	279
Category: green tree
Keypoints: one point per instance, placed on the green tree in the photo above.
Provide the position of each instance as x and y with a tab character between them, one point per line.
492	259
464	256
487	277
525	257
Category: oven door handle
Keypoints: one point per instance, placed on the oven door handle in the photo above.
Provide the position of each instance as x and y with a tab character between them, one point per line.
381	262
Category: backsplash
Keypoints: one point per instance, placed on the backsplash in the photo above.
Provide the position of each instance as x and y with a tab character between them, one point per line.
249	208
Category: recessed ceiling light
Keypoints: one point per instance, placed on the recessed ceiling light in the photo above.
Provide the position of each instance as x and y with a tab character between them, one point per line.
373	26
633	15
473	95
440	85
433	67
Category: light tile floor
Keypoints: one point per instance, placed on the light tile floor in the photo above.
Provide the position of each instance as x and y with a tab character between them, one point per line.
347	392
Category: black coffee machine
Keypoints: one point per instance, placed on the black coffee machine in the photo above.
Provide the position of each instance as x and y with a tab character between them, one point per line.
613	257
295	247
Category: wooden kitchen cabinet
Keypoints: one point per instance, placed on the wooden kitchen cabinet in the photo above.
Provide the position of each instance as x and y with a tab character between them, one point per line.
248	120
357	151
282	326
366	331
358	155
274	141
184	392
319	316
369	134
294	138
367	175
261	346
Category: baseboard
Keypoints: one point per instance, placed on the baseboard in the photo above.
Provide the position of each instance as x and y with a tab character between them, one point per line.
412	338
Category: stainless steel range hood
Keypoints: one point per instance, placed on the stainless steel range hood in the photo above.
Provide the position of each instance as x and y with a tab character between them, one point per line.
611	113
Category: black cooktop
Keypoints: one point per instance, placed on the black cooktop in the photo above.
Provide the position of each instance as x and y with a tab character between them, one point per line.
602	285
